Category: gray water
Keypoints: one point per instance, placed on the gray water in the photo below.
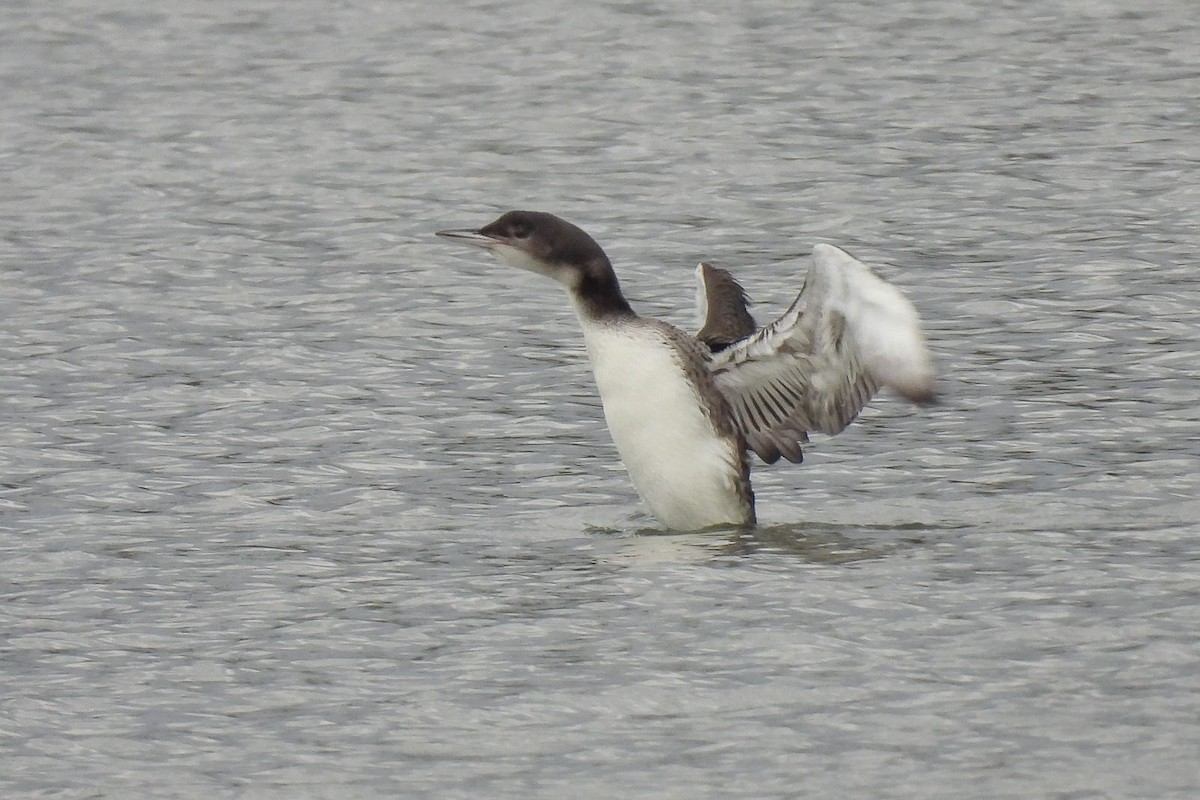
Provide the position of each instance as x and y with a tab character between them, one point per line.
300	501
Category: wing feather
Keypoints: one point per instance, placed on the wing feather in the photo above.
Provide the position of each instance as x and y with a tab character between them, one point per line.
847	334
722	308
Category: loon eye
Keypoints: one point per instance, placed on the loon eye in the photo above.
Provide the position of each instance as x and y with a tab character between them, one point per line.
521	230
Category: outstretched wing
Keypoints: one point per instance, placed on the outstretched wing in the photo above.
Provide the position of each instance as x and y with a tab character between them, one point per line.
721	308
847	334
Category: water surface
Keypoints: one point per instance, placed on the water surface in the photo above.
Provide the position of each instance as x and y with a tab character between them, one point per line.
297	500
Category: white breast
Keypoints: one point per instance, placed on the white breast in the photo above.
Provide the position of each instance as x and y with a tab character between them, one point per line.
685	472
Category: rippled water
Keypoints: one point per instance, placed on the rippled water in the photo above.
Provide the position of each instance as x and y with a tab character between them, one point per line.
300	501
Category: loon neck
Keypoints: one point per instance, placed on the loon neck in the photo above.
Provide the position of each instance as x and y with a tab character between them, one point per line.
597	295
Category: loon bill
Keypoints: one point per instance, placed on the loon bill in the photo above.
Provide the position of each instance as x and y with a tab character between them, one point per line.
685	411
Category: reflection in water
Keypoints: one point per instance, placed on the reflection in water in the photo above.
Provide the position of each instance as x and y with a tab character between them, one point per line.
820	544
810	542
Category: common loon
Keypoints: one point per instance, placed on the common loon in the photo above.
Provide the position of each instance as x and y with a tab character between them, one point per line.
684	411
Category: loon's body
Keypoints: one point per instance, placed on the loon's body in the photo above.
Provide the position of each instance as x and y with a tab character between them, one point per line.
670	423
684	411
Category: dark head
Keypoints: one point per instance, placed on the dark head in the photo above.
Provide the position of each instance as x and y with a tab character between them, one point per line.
550	246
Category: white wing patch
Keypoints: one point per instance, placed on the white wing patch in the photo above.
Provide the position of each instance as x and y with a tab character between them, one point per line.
847	334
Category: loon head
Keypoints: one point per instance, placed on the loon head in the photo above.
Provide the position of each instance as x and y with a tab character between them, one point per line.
538	242
551	246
